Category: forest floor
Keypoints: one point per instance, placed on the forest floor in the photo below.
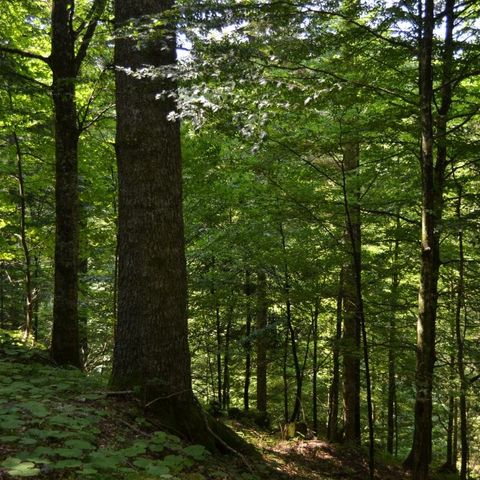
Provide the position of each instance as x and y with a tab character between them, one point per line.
60	424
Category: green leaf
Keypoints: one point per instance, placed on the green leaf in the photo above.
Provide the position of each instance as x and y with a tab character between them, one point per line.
197	452
69	452
10	462
24	469
104	460
133	451
142	462
68	464
79	444
157	470
89	470
28	441
37	409
8	438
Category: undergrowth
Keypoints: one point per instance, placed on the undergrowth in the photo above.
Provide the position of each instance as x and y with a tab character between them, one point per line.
60	424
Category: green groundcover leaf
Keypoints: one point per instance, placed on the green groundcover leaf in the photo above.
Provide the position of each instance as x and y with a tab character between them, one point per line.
17	468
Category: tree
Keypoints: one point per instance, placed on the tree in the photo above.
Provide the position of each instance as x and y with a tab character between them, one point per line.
151	345
65	61
433	184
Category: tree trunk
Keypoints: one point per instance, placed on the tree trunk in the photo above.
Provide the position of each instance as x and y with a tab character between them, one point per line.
351	320
295	415
460	336
315	369
450	465
248	342
218	336
288	306
433	178
285	375
260	330
151	351
333	433
218	340
353	295
29	294
226	361
2	297
65	336
392	339
36	299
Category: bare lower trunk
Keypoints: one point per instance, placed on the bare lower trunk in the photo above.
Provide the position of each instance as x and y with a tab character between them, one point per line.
333	433
248	343
226	362
65	337
218	329
392	338
315	370
351	318
261	345
460	336
285	375
29	294
2	297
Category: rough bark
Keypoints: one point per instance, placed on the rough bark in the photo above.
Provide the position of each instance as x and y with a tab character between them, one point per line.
261	344
65	337
151	350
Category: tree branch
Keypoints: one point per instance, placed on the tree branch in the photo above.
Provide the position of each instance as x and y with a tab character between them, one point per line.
93	17
25	54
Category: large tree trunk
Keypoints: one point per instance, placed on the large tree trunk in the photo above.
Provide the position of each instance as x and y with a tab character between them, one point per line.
65	337
261	345
151	350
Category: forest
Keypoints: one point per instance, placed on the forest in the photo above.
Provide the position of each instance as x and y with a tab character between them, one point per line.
239	239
